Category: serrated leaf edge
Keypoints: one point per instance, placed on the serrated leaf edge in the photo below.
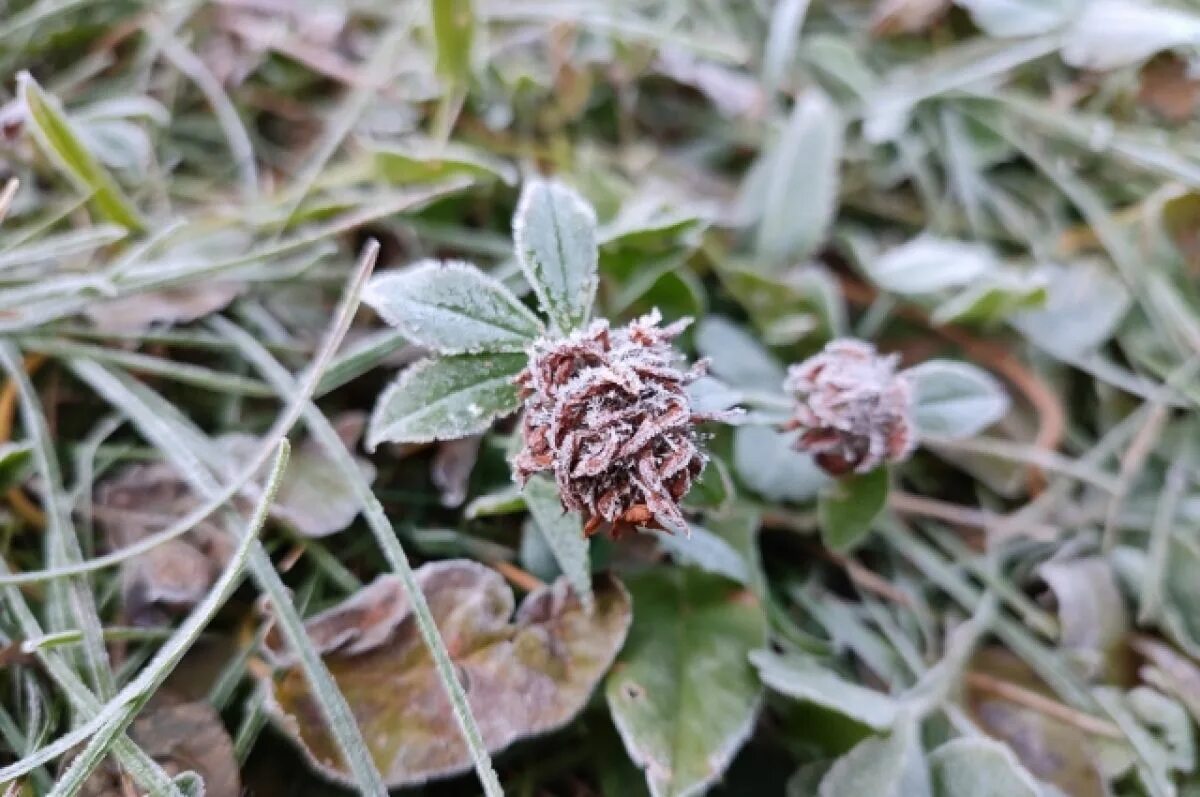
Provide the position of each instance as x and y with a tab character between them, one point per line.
375	435
558	190
372	298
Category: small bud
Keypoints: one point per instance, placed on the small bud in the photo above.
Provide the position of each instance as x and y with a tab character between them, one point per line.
853	410
607	413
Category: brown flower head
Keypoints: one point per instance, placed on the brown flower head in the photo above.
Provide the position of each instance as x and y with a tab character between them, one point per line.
606	411
853	410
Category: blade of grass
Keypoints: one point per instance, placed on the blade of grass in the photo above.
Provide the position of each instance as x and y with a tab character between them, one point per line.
184	373
61	539
111	722
187	448
145	771
135	694
1179	475
326	436
375	74
236	136
62	145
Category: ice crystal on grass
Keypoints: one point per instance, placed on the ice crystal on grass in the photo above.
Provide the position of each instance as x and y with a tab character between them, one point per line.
607	413
853	410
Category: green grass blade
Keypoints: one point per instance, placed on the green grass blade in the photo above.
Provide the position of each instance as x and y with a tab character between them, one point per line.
52	130
385	536
110	723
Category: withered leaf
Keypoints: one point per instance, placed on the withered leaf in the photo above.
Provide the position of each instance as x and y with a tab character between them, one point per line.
141	500
362	622
899	17
1052	750
452	466
1091	611
315	498
1170	671
181	737
522	677
1168	86
162	308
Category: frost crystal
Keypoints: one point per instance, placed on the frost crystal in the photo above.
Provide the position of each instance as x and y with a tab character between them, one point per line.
853	410
607	413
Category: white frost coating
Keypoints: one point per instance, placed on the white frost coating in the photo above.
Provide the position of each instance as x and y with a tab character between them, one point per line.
554	231
453	308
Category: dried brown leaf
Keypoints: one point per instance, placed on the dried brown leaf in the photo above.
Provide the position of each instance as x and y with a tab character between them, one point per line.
898	17
181	737
144	499
1169	87
523	677
362	622
162	308
315	498
1050	748
452	466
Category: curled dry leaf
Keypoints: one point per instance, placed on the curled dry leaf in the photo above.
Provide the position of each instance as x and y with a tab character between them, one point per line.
363	622
1168	85
524	676
315	498
181	737
1091	611
144	499
452	466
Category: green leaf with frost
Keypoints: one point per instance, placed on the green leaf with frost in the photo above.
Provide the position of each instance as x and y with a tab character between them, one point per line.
928	264
993	298
737	357
563	533
445	399
979	767
554	231
804	678
703	549
1084	306
453	308
800	184
766	462
847	509
881	766
955	399
683	694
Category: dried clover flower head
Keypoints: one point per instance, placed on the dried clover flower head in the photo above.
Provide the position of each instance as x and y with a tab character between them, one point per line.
853	410
606	411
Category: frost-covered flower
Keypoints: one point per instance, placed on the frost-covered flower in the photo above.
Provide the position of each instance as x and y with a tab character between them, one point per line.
607	413
853	410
